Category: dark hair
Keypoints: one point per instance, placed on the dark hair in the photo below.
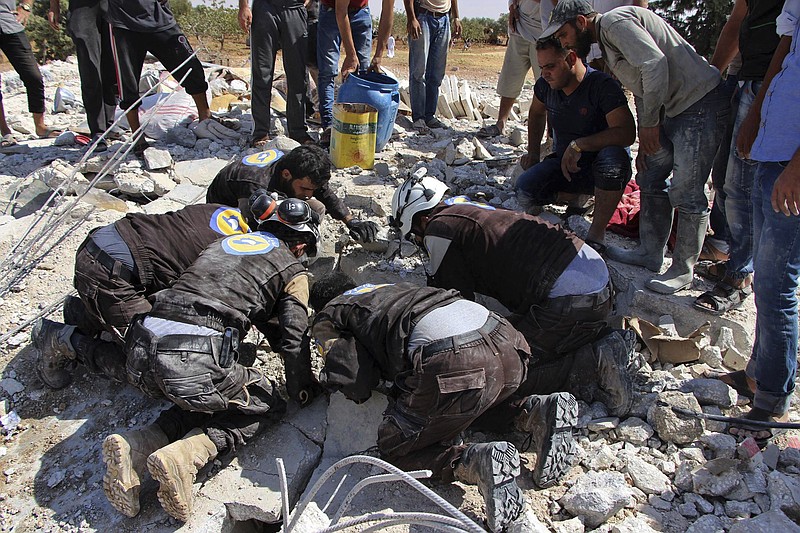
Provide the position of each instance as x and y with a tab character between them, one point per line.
329	287
552	44
307	160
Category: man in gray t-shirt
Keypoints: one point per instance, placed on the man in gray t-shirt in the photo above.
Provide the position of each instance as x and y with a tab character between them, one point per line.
15	45
682	112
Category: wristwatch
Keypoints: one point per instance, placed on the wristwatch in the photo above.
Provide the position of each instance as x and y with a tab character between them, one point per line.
25	7
574	146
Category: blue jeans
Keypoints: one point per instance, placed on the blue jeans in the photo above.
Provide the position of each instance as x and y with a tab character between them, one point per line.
738	190
329	43
427	58
689	142
608	170
776	248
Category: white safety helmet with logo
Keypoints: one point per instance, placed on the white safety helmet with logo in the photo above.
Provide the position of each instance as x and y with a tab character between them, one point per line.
289	219
417	193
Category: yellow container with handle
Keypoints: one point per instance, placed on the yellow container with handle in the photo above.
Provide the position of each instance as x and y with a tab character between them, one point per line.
353	135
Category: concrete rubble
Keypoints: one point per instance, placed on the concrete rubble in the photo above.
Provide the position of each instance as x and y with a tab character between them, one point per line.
652	470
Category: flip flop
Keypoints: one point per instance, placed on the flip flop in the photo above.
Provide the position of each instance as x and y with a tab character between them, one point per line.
8	141
711	271
51	132
736	380
722	298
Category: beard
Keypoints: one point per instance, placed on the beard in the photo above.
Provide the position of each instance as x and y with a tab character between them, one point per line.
583	42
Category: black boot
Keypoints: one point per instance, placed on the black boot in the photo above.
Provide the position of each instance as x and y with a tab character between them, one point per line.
100	357
76	314
56	355
494	468
603	371
655	223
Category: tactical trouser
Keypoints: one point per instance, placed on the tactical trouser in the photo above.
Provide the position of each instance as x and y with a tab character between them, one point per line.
453	382
210	389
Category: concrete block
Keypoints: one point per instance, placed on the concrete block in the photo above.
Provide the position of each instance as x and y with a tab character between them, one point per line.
249	485
199	171
156	158
443	107
187	194
491	111
161	206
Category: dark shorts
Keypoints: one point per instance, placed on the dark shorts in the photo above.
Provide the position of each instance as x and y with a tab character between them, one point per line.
169	46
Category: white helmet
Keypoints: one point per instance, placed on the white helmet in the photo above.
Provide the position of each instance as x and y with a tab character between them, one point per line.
414	195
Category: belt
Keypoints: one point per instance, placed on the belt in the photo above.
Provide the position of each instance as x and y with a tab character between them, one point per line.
579	301
434	14
455	341
116	267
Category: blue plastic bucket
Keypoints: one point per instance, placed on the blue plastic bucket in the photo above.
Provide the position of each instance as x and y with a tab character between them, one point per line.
379	91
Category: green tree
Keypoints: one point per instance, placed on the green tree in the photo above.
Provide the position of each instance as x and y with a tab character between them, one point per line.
212	21
700	23
48	43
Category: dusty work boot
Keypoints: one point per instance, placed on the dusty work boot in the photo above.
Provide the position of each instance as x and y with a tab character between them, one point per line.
691	234
655	223
55	352
604	371
125	456
494	468
550	420
175	468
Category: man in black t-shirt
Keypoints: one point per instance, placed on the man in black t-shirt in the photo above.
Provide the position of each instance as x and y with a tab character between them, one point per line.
592	125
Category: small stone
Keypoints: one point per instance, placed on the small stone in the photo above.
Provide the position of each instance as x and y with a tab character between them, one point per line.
770	522
734	359
480	150
181	136
783	492
790	457
670	426
748	448
597	496
718	477
573	525
156	158
162	183
11	386
603	424
517	137
725	338
707	524
711	392
55	478
634	430
770	456
703	505
603	459
688	510
382	169
721	444
632	524
647	477
66	138
134	183
659	503
711	355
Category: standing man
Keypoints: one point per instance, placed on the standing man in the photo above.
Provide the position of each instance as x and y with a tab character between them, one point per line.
274	25
346	24
451	361
142	26
750	32
88	28
15	45
591	124
524	28
682	111
772	368
429	41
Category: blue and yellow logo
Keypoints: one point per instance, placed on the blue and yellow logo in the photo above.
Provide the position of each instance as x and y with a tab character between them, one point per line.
228	221
464	200
262	159
250	244
366	288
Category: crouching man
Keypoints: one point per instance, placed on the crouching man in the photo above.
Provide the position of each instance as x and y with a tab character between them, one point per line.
303	173
185	350
117	267
450	361
556	287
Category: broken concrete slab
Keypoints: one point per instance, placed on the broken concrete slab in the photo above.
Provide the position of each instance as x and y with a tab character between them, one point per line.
249	485
199	171
157	159
187	194
161	206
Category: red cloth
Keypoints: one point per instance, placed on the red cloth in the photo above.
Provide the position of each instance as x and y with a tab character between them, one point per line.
625	220
353	5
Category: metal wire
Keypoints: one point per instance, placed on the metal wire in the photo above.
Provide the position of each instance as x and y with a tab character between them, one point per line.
51	218
461	519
